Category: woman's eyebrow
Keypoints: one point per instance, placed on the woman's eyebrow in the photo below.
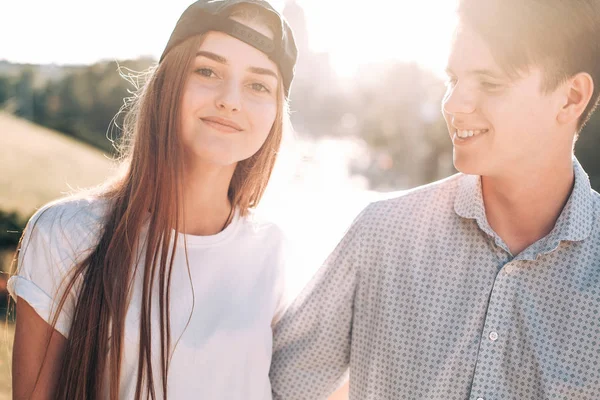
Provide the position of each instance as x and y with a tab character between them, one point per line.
212	56
223	60
263	71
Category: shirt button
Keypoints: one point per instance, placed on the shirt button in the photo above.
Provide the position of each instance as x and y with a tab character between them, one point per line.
480	398
493	336
509	268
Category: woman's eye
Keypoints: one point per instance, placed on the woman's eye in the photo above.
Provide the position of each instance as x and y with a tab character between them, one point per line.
259	87
207	72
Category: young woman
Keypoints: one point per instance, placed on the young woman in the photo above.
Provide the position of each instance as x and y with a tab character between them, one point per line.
165	284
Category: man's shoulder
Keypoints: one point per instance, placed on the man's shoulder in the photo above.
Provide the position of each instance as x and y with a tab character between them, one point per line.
596	212
596	197
427	205
439	195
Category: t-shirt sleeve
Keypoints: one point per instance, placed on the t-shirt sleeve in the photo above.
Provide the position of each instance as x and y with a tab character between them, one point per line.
46	261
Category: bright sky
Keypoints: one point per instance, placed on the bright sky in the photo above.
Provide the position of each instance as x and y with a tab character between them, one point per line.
354	33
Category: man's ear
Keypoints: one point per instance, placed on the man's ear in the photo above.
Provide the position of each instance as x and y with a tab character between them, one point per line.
578	90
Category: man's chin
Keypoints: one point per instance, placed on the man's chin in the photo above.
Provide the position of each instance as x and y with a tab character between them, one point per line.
467	166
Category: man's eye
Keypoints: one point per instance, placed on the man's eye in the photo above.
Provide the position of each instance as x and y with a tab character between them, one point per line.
451	82
490	85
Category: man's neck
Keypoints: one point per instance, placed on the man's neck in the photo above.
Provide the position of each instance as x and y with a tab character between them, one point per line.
523	208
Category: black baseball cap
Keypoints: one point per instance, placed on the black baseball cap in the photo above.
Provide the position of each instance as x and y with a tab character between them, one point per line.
212	15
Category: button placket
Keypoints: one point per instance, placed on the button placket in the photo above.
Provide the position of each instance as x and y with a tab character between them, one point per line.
489	339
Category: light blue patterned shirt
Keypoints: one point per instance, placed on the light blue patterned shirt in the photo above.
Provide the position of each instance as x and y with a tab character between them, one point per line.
423	300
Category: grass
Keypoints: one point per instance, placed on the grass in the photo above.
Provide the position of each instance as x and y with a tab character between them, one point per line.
39	165
6	339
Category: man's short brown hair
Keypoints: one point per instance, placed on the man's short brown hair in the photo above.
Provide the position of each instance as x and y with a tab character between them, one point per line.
560	36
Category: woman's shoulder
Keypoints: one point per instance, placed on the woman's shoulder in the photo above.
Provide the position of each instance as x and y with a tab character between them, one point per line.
260	224
58	236
73	217
262	232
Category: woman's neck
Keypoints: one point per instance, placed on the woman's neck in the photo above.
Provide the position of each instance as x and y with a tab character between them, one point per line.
206	205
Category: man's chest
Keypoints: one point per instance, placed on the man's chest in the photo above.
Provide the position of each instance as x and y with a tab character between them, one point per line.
483	321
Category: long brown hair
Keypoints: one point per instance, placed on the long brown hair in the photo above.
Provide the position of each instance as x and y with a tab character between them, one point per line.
148	193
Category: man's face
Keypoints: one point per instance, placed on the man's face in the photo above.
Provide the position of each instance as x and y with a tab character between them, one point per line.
498	125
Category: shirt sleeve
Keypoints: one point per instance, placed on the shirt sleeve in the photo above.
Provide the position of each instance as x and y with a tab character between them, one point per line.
45	259
311	343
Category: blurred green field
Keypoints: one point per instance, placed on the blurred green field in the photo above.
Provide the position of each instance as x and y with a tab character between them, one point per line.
39	165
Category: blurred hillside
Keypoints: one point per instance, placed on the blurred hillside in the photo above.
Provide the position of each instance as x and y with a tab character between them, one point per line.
39	165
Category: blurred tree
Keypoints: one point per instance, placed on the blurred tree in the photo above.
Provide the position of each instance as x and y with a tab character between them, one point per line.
393	109
6	89
399	119
84	101
11	227
24	92
587	149
318	100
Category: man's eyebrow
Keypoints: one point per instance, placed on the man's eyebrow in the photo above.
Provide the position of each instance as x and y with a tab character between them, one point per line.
212	56
487	72
479	72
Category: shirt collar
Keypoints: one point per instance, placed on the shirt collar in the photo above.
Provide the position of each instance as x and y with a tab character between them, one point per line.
574	223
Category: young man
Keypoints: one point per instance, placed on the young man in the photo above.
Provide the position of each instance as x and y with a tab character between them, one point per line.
485	285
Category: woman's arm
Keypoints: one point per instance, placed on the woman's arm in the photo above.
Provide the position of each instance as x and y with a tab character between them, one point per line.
37	355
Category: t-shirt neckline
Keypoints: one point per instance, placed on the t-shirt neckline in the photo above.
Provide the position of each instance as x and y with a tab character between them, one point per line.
209	240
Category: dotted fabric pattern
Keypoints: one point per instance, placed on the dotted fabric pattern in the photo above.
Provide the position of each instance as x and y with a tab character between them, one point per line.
422	300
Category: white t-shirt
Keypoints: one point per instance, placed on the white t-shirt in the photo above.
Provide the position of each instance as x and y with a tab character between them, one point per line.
228	299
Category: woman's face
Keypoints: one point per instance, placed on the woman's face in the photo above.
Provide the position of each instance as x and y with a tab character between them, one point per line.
229	100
